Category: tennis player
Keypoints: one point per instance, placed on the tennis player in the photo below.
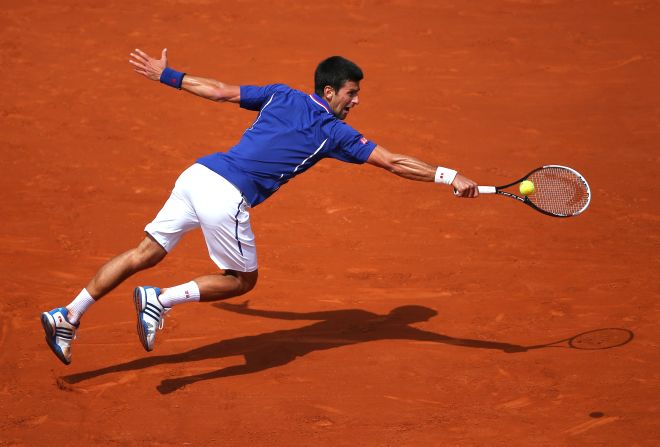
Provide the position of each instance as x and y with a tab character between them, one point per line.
291	133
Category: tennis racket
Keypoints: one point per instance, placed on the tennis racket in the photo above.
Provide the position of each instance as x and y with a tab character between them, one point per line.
559	191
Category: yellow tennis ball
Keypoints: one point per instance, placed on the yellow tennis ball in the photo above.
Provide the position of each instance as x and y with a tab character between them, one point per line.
527	188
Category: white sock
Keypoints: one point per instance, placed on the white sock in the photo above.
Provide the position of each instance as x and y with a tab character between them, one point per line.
185	293
79	306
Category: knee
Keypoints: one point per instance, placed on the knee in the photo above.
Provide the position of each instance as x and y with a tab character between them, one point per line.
150	260
148	254
246	281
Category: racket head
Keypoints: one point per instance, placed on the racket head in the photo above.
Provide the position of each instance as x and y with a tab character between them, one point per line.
560	191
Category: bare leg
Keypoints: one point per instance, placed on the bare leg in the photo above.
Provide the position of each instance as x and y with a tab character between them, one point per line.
147	254
223	286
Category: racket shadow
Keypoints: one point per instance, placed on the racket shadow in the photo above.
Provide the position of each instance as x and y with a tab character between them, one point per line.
593	340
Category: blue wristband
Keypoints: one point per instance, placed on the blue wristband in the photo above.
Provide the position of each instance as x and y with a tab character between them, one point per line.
172	78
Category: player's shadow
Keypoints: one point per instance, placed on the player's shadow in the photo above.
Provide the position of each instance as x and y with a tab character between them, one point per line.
333	329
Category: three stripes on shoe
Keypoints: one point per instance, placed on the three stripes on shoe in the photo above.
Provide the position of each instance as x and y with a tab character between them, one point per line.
64	332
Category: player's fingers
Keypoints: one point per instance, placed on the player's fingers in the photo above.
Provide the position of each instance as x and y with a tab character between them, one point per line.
460	192
470	189
140	69
163	55
467	191
138	58
142	53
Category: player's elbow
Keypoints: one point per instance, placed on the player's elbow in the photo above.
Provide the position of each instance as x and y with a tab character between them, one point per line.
382	158
391	164
218	94
224	93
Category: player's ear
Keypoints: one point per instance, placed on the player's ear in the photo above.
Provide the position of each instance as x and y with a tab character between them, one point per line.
328	93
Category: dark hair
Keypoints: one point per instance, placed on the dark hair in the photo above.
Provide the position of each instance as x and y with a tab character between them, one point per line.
335	71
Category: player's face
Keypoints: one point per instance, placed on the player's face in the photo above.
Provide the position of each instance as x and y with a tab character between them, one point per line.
342	101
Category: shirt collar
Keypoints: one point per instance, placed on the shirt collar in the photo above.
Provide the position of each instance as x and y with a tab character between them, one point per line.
320	101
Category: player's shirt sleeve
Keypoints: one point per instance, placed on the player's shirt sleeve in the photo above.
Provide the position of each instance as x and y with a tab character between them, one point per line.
350	145
254	97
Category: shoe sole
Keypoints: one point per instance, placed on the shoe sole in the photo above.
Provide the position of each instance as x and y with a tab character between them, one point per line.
48	329
137	300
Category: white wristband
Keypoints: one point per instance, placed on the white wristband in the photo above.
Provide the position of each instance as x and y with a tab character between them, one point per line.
445	175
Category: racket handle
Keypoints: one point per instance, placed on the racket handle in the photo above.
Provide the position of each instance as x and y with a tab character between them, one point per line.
482	190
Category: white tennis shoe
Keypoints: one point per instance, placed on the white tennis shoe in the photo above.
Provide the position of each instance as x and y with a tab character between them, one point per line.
150	314
59	332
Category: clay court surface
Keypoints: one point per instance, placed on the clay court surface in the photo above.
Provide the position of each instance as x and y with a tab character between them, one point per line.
388	313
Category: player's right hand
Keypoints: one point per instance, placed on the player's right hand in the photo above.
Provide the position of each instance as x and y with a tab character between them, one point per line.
148	66
464	187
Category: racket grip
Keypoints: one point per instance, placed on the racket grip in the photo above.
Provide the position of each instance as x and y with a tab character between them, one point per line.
482	190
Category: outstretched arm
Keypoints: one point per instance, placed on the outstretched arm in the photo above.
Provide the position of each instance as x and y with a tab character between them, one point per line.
151	68
414	169
421	335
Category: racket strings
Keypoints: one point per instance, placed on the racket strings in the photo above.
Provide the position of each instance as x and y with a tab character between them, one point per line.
559	191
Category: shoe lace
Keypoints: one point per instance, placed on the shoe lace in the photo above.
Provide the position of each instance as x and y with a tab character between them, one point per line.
161	323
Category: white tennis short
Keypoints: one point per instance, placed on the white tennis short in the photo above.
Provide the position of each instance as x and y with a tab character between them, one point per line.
202	198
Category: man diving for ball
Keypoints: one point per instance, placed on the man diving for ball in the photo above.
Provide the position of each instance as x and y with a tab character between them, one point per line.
291	133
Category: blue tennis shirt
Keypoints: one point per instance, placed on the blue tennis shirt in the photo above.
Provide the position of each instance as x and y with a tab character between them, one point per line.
292	132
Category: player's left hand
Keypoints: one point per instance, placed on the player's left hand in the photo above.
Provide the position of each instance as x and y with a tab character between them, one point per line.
464	187
148	66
